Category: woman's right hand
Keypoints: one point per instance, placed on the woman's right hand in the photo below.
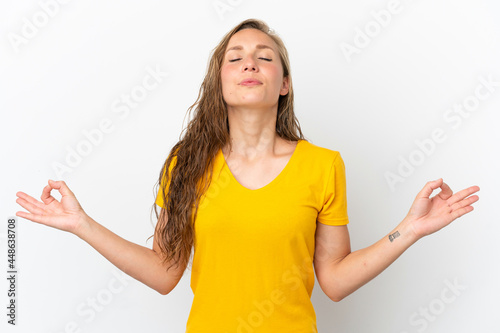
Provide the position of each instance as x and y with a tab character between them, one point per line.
66	215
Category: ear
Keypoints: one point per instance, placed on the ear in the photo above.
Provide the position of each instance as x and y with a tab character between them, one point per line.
285	86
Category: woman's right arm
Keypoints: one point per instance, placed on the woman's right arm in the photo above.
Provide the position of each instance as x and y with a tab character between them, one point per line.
141	263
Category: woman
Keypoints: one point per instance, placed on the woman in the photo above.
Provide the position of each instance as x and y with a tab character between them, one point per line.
263	207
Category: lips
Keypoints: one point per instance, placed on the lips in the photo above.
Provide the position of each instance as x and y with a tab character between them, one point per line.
250	82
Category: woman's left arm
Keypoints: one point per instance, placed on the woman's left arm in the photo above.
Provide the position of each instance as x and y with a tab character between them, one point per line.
340	271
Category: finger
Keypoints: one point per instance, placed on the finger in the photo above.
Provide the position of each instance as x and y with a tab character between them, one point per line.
429	188
462	194
465	202
30	199
61	186
461	212
446	192
32	208
46	197
33	217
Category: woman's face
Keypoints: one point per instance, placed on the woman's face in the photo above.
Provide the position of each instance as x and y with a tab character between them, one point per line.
252	73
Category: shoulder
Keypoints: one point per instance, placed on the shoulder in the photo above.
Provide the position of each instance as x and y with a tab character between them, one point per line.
319	154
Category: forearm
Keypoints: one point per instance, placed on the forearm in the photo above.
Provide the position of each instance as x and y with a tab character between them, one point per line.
141	263
361	266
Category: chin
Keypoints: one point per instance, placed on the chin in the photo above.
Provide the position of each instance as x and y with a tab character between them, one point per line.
251	104
250	100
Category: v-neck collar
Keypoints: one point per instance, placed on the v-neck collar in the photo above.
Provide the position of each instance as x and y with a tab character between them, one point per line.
274	181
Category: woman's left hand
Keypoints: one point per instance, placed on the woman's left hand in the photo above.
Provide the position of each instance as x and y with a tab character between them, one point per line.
428	215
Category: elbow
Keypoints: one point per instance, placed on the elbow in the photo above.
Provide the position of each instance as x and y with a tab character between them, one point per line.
337	297
163	291
331	289
166	288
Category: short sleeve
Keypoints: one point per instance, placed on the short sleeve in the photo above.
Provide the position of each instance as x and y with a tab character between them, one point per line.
334	210
163	187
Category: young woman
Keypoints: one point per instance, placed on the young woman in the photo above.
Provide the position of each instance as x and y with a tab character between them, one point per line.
263	208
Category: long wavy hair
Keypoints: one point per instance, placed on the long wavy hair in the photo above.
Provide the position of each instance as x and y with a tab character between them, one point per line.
195	152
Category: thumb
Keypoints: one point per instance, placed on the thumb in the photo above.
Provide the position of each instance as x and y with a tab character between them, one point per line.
429	188
71	202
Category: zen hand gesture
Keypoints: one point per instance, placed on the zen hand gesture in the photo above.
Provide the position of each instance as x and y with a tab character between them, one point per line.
66	215
428	215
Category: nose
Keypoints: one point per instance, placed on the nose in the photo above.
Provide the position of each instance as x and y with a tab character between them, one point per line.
250	65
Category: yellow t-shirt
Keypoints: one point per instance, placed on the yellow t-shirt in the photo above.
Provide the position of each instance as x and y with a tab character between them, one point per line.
252	268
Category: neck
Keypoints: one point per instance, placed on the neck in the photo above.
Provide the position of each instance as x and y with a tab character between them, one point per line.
252	131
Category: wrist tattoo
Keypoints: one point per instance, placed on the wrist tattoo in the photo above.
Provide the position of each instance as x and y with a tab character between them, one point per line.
393	236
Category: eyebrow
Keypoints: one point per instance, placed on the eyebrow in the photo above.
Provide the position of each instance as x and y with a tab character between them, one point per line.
258	46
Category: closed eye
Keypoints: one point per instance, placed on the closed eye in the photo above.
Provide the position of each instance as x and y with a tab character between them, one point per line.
233	60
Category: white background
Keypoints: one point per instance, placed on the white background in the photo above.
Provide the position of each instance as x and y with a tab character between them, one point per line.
371	106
